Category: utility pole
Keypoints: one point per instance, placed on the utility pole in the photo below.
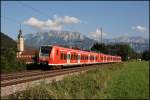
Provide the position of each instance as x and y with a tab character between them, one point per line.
101	35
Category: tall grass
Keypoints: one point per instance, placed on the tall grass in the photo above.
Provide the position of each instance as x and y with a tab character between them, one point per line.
131	82
110	81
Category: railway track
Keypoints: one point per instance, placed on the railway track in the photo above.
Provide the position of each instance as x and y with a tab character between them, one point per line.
11	79
14	75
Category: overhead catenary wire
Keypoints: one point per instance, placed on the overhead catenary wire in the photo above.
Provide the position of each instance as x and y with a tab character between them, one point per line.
11	19
34	9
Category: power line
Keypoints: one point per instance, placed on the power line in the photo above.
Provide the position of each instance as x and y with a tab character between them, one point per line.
11	19
36	10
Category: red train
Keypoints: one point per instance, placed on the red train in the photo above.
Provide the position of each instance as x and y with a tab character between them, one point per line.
62	56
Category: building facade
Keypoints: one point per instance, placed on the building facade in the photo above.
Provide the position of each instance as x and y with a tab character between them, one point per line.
22	54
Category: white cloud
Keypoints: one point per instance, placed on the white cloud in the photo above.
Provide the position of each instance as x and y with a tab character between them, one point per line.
139	28
55	24
97	35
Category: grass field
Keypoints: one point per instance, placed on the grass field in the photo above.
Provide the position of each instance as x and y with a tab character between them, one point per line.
131	82
128	80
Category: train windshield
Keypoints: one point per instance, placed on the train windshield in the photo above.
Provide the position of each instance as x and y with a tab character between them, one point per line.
45	50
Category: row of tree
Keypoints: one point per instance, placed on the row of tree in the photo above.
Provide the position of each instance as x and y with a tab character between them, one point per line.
123	50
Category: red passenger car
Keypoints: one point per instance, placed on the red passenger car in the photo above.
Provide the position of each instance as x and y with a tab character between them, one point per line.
57	55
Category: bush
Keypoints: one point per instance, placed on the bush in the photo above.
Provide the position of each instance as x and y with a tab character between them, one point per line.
146	55
9	62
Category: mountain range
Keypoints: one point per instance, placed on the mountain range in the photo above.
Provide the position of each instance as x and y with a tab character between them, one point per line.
59	37
76	39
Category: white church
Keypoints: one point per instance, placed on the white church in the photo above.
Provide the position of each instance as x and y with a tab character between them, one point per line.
22	54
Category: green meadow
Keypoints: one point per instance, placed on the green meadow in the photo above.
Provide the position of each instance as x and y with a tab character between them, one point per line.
128	80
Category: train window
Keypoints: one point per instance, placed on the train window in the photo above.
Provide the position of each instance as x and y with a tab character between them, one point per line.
45	50
91	57
65	56
57	52
61	56
73	56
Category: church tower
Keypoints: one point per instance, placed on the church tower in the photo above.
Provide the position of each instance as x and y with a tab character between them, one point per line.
20	42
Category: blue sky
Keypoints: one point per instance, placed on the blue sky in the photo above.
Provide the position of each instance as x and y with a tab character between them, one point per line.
116	18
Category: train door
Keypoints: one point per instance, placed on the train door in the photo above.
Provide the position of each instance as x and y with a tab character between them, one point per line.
68	57
79	56
88	58
94	58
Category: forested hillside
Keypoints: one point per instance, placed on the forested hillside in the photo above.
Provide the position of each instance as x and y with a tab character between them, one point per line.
7	42
9	63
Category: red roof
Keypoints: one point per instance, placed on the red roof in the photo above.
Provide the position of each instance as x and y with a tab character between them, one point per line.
26	59
27	56
29	52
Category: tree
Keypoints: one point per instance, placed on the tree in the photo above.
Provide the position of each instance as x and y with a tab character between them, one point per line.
9	61
123	50
99	48
145	55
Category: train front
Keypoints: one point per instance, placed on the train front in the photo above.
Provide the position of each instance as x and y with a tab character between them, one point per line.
44	54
